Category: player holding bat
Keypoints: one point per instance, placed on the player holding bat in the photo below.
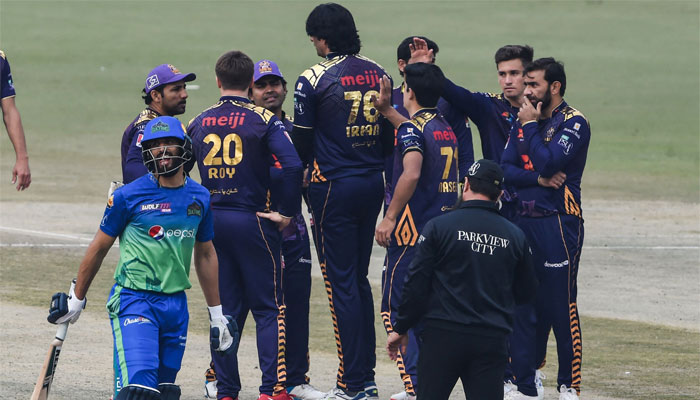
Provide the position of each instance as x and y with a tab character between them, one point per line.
160	219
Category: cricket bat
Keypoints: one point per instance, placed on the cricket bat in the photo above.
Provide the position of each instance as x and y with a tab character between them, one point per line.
43	383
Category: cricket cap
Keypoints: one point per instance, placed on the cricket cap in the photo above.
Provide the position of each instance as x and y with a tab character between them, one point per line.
486	171
164	74
266	67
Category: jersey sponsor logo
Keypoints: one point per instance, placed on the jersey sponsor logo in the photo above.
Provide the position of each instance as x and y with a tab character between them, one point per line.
232	121
305	260
163	207
156	232
194	209
577	126
562	264
564	142
160	127
448	135
137	320
483	243
369	78
298	107
180	233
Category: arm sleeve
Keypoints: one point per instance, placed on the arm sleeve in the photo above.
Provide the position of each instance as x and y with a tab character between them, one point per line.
525	283
572	136
460	126
205	231
409	138
133	166
416	290
304	104
471	104
7	88
515	175
281	146
116	215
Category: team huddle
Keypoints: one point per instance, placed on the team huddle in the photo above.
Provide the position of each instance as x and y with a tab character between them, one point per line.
354	148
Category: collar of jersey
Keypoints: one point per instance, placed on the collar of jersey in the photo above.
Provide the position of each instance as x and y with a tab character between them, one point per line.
235	98
491	205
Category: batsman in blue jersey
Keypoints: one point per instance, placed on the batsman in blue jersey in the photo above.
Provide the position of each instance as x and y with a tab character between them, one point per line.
339	131
425	185
160	219
165	93
234	141
544	160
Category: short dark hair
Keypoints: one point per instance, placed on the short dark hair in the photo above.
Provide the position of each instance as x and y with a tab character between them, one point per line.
515	51
488	189
147	96
334	23
426	81
234	70
553	71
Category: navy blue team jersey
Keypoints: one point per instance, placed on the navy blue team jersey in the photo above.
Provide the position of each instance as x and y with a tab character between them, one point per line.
559	143
233	141
436	192
492	113
132	161
7	87
333	98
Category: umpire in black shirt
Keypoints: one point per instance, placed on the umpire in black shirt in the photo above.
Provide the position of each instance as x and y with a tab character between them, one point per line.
471	268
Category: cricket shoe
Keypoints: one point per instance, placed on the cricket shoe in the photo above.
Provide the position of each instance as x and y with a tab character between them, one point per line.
566	393
516	395
339	394
229	398
210	389
508	387
403	396
539	377
371	390
305	392
283	395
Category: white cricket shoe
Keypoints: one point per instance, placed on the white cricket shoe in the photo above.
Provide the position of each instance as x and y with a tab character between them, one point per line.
566	393
305	392
516	395
508	387
339	394
403	396
539	377
210	390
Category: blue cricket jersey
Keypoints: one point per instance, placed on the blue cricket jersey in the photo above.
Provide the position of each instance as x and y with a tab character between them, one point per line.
157	228
7	87
233	144
559	143
333	98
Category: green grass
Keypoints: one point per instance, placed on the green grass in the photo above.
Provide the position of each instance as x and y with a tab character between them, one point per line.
633	70
621	359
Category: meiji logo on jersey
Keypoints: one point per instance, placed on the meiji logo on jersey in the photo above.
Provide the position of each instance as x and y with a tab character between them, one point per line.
137	320
163	207
562	264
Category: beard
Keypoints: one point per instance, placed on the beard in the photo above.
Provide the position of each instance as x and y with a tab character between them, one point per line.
176	109
546	100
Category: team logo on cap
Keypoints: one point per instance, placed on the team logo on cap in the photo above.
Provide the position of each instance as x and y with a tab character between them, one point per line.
152	81
173	69
156	232
264	67
160	127
474	168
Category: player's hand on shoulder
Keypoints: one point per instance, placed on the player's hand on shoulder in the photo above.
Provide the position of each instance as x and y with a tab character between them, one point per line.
223	331
65	307
276	217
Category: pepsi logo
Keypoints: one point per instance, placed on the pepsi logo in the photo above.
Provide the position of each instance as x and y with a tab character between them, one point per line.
156	232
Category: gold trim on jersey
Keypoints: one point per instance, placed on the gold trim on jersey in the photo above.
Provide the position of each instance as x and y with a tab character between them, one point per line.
146	115
421	118
570	112
406	233
570	205
363	58
314	73
405	377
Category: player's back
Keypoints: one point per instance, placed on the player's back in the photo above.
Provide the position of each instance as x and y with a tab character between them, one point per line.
230	141
436	191
334	99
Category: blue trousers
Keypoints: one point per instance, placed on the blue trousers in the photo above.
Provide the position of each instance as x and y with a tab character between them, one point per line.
250	279
149	331
397	261
345	214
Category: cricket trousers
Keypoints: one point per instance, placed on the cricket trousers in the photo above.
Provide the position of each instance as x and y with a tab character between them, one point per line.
397	261
296	253
250	279
556	243
149	331
345	214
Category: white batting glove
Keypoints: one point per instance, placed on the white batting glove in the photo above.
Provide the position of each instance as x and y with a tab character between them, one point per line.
114	185
66	308
223	332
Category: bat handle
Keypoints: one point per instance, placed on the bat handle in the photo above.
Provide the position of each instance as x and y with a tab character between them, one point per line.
72	285
61	332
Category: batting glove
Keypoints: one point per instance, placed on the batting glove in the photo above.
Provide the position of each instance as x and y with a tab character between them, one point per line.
65	308
223	332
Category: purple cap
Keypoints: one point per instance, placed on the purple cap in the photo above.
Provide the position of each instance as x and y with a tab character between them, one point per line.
164	74
265	68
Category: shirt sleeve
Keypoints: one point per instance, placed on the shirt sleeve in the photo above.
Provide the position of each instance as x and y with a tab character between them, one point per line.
514	174
7	87
116	215
418	281
469	103
304	104
281	146
133	166
572	136
205	231
409	138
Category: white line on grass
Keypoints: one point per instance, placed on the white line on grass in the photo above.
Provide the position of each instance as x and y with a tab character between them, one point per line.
55	245
642	247
44	233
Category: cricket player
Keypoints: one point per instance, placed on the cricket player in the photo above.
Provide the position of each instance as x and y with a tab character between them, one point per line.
338	129
425	186
13	123
494	115
234	141
165	93
160	219
544	160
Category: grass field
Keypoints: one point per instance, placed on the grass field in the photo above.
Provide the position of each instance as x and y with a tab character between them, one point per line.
633	69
